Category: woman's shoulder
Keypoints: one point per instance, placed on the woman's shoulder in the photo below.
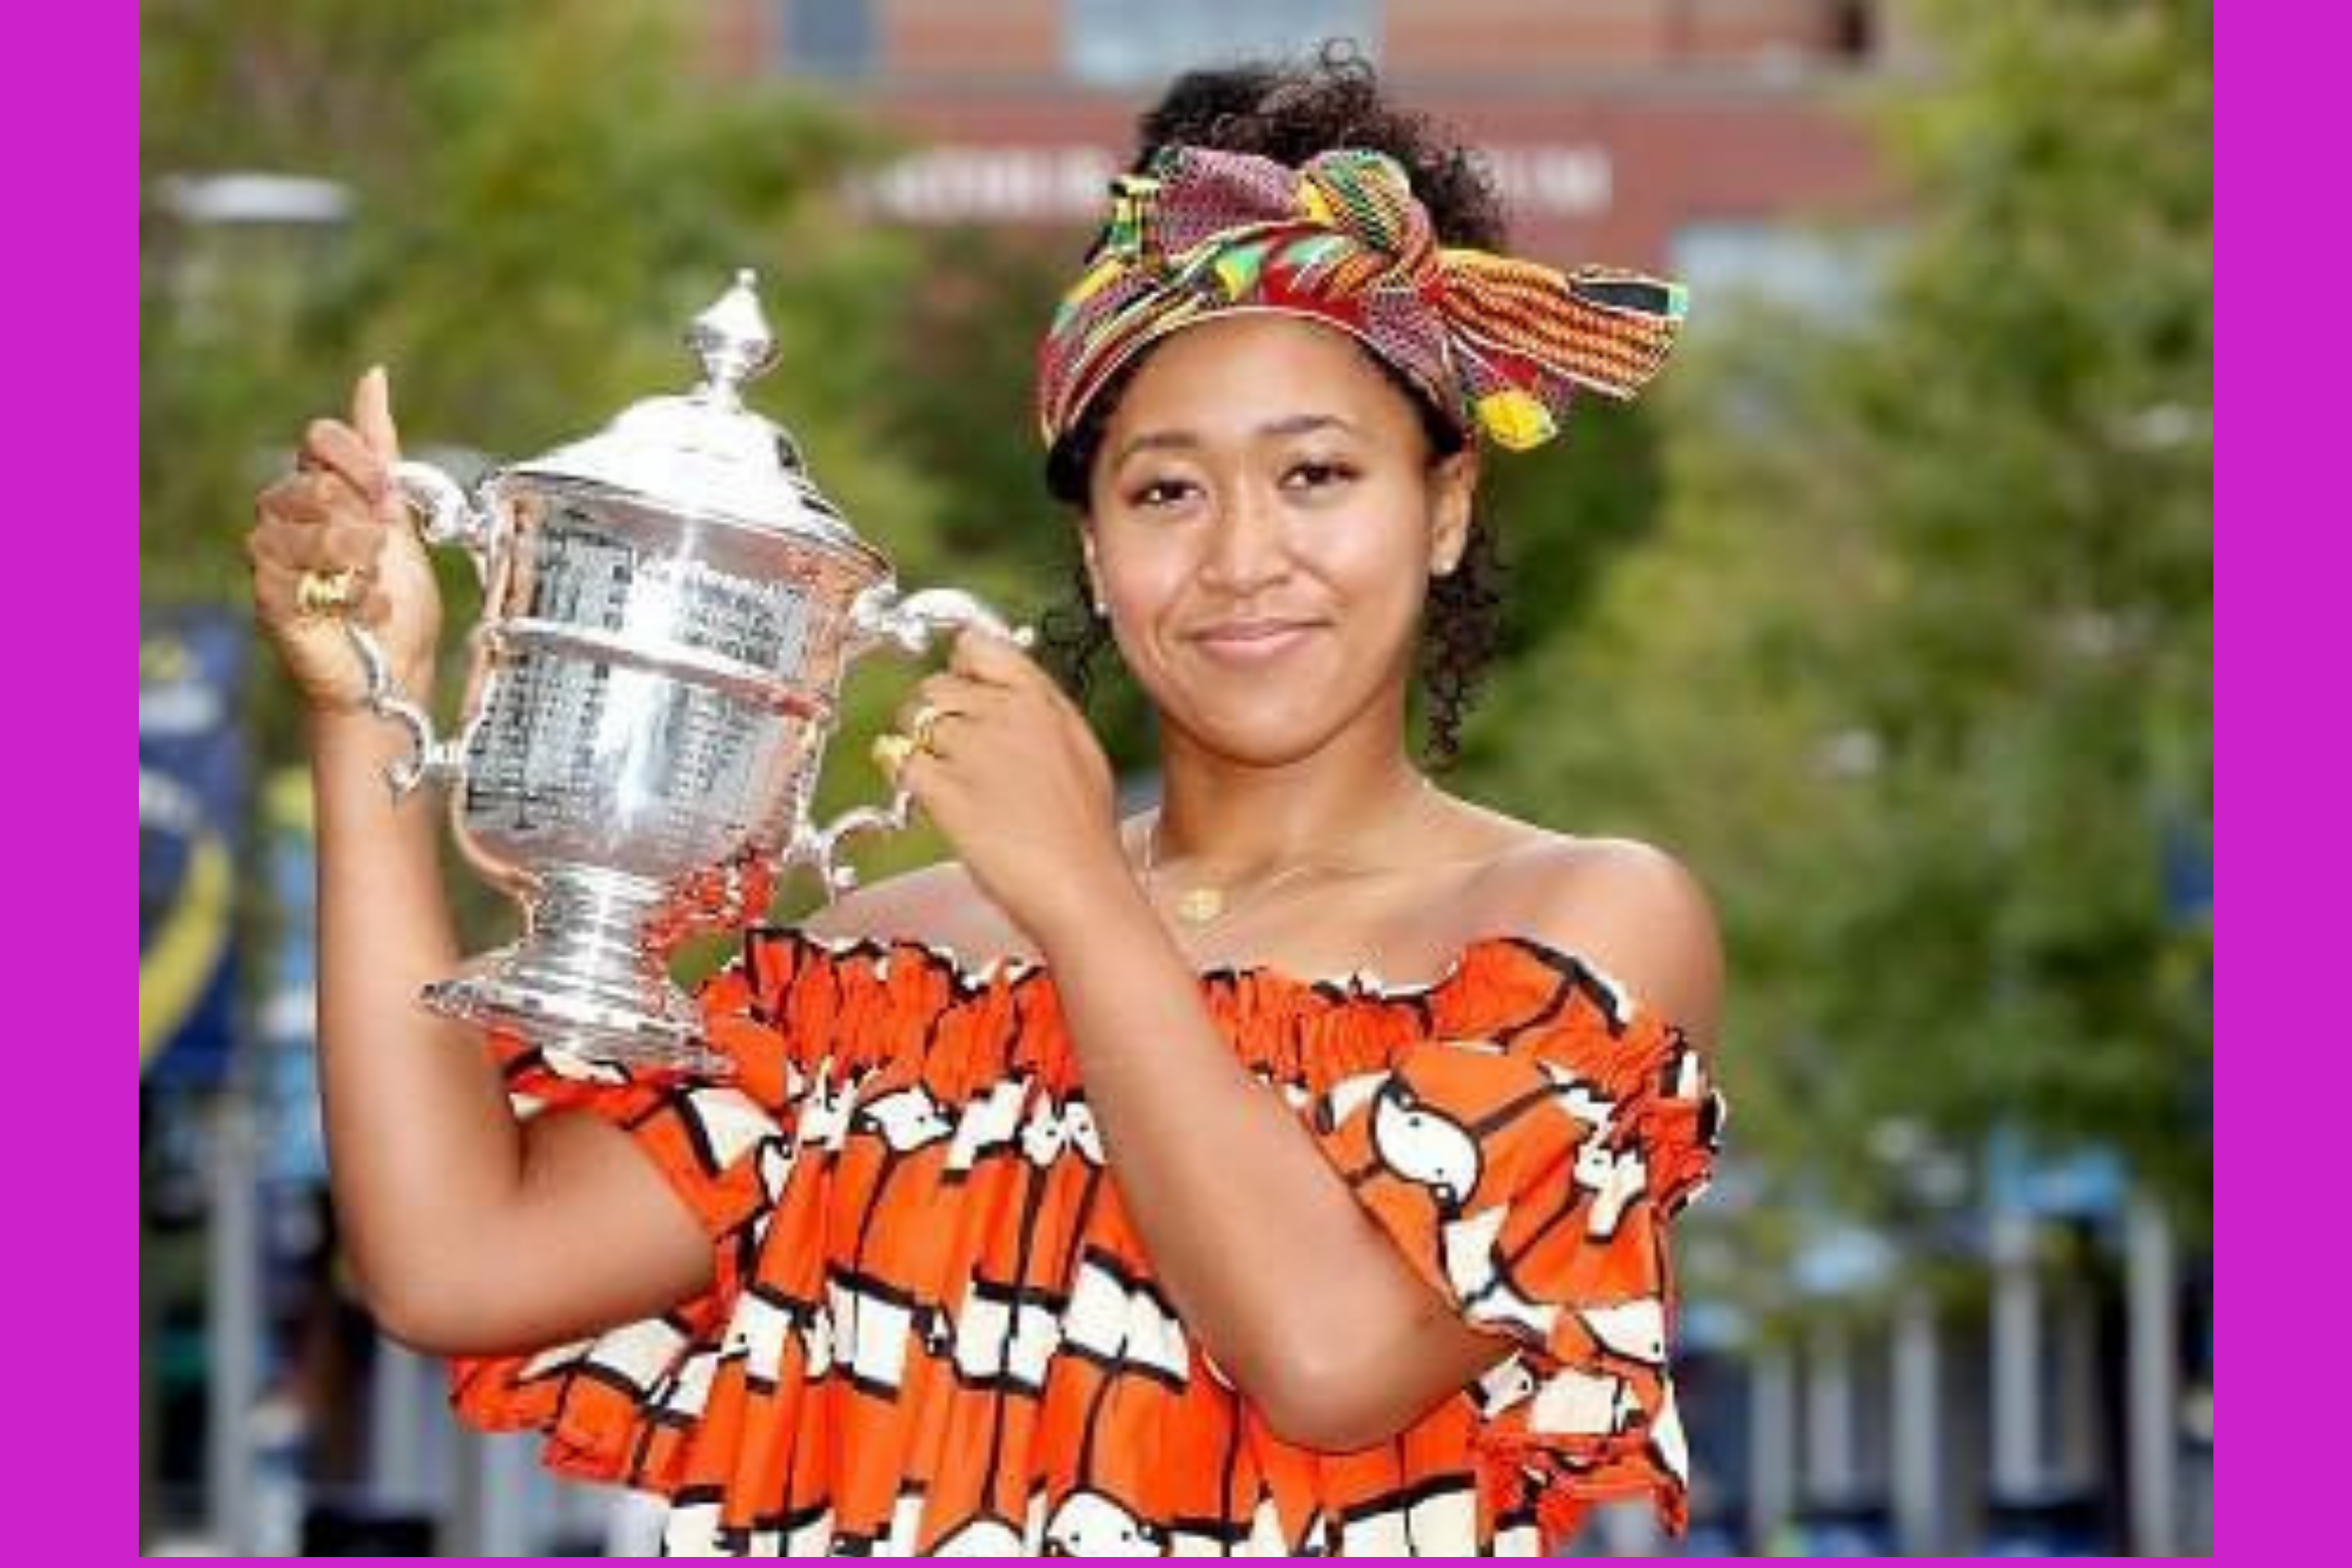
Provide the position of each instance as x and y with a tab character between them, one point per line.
937	905
1633	909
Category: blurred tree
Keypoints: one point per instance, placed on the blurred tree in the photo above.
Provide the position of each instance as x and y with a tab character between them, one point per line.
539	198
1564	512
522	253
1917	670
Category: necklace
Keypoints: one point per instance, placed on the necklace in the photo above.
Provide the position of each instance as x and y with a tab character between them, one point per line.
1206	904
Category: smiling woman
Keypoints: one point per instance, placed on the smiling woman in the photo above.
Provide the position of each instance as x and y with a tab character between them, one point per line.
1091	1193
1267	503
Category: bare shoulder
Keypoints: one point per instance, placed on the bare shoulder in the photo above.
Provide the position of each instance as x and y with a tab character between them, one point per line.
939	904
1633	909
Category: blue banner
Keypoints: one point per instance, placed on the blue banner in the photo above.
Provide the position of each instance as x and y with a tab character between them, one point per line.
192	669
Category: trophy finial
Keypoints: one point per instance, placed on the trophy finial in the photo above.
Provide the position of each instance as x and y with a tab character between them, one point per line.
733	340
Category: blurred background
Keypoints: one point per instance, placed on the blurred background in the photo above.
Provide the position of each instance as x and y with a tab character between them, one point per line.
1890	612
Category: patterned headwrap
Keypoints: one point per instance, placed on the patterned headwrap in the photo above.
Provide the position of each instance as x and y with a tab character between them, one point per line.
1500	345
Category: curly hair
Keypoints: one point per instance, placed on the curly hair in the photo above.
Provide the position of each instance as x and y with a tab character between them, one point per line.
1290	112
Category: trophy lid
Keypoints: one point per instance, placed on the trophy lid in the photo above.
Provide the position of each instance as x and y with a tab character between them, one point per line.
703	453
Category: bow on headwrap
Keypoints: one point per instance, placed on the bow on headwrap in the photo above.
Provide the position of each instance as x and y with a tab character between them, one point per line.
1499	344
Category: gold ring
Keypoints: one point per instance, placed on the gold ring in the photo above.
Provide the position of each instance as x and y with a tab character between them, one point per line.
891	751
918	729
320	594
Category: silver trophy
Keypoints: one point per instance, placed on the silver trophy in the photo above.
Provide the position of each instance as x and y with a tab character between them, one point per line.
669	609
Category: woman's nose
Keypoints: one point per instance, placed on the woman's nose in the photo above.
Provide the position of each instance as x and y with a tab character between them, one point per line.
1246	548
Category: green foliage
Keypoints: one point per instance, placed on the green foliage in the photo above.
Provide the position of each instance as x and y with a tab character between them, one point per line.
523	251
1564	511
540	197
1917	669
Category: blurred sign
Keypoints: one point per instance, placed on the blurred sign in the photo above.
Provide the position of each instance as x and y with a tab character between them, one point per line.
1839	1260
991	184
2087	1182
1067	182
191	667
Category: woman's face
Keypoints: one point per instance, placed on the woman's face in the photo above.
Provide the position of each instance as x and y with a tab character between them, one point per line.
1263	521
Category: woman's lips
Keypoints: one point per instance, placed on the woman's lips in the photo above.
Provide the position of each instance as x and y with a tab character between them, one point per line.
1253	642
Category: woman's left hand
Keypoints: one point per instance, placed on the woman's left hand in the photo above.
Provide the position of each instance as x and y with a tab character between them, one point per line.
1014	777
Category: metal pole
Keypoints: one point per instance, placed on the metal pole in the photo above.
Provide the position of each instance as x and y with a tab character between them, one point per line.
1628	1530
2152	1288
403	1397
1772	1442
1918	1405
2016	1359
232	1323
491	1509
1831	1473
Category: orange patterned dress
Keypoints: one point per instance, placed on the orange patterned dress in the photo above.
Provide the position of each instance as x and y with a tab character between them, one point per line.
935	1330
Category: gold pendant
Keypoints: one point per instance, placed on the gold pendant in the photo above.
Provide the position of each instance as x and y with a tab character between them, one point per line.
1200	906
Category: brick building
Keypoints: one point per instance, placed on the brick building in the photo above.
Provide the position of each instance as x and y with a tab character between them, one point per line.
1688	135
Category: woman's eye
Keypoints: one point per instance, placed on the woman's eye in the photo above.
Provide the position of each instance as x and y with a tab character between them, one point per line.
1316	476
1160	493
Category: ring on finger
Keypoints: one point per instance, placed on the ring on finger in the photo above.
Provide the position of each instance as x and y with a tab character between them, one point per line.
318	594
925	719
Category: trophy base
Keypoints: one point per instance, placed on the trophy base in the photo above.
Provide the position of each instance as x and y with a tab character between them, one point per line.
665	1037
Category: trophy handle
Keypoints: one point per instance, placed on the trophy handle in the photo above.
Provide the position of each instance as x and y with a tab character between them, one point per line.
447	516
909	623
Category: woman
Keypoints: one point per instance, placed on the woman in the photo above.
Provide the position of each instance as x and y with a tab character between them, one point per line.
1053	1204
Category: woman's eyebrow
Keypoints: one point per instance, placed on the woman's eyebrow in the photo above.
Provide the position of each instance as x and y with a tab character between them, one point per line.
1180	441
1303	424
1155	441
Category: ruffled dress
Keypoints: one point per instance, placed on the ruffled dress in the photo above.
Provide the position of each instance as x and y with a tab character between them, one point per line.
934	1329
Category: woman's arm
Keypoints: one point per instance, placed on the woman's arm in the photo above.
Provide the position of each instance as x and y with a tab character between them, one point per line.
465	1230
1295	1289
1300	1295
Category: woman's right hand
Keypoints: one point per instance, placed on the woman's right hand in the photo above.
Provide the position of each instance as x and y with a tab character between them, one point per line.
339	511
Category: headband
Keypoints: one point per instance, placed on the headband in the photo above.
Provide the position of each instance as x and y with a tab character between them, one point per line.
1499	345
